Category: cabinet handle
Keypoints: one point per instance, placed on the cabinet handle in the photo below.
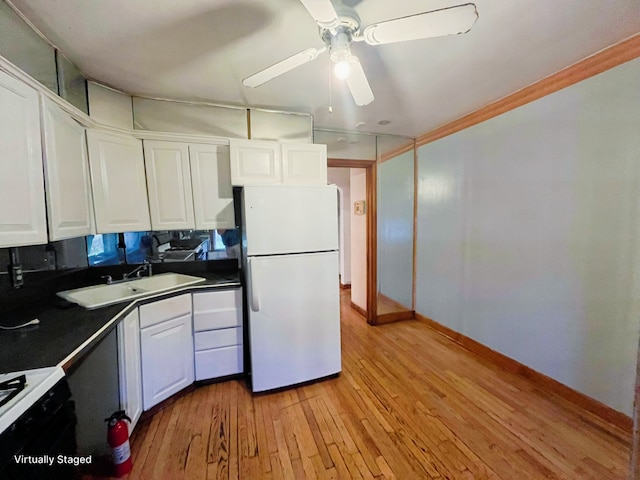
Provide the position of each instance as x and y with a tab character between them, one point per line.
254	295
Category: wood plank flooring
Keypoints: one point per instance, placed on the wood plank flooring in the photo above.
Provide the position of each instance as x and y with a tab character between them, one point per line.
409	404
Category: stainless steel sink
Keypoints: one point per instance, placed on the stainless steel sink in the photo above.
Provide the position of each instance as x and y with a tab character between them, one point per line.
103	295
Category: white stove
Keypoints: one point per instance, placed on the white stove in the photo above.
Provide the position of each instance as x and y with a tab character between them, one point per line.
38	382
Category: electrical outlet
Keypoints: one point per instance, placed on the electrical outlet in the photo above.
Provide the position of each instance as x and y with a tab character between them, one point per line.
17	279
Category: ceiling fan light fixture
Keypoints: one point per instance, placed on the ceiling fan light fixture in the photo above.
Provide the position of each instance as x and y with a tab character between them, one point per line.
341	54
342	69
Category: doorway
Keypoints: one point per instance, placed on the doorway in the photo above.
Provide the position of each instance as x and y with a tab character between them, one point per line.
363	277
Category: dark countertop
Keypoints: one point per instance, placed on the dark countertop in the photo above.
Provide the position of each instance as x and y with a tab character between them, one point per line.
67	332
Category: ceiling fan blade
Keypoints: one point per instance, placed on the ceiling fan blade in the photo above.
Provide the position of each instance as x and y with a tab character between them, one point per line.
281	67
447	21
358	83
322	12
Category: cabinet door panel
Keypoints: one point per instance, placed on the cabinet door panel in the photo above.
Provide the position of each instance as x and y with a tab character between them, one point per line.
304	164
255	163
69	203
212	191
119	184
22	206
169	183
167	359
130	367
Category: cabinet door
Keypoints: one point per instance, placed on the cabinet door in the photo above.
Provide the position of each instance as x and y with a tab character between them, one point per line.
119	184
129	367
255	163
69	203
304	164
22	208
167	359
212	191
169	184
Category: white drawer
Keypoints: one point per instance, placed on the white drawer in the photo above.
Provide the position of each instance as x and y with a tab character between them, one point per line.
219	362
217	300
220	309
162	310
225	337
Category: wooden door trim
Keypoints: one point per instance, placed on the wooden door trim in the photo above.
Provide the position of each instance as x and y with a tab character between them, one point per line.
371	217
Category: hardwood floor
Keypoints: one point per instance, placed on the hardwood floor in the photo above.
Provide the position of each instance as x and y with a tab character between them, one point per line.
409	404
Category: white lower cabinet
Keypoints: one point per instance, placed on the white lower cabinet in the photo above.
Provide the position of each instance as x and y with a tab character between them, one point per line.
129	367
218	337
167	348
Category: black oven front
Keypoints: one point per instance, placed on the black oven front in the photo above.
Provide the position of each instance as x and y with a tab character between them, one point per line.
36	444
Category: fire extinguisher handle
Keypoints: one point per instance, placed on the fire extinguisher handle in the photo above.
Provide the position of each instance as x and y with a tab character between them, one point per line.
119	415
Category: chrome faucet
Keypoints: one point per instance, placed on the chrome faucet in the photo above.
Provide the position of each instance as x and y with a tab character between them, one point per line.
145	267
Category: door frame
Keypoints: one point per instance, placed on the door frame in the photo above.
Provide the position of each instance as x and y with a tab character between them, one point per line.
370	167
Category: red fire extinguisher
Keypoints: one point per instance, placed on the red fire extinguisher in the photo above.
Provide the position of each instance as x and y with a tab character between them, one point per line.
118	439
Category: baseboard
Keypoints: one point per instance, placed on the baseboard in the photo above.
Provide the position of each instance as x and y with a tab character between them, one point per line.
589	404
345	286
360	310
394	317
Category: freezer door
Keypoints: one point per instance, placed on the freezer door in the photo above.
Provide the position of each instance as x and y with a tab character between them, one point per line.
294	319
282	219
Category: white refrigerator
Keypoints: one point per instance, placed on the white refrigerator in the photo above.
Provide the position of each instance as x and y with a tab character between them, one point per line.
290	256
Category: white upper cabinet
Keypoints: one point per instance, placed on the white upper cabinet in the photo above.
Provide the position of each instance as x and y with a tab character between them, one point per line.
304	164
254	162
212	191
119	185
268	163
22	205
169	183
69	203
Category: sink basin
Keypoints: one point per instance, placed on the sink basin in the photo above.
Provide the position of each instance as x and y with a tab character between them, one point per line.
165	281
103	295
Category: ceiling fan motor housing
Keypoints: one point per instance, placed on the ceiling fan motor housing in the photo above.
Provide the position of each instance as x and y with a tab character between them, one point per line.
349	26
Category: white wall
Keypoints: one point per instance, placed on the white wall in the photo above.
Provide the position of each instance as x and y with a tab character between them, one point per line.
342	178
395	229
358	239
529	234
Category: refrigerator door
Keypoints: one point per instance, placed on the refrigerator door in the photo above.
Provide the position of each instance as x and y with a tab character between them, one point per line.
294	319
282	219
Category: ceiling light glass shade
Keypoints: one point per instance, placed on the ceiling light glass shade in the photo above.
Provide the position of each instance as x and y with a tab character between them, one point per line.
342	69
448	21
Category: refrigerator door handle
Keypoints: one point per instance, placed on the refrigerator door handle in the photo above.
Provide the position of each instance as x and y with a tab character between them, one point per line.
254	295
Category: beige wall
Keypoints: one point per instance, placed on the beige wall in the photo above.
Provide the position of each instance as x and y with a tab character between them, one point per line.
358	239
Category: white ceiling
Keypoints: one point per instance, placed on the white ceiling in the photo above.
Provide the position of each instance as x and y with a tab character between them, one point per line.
202	49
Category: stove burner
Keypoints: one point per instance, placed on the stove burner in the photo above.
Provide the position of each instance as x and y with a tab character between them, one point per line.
13	386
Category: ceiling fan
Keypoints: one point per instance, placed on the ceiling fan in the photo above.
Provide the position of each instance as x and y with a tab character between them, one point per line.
339	25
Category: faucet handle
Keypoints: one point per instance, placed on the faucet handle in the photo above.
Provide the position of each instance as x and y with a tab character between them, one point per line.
109	279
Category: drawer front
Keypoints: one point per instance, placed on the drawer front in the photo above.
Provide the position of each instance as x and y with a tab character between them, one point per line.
156	312
217	300
219	362
213	310
225	337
